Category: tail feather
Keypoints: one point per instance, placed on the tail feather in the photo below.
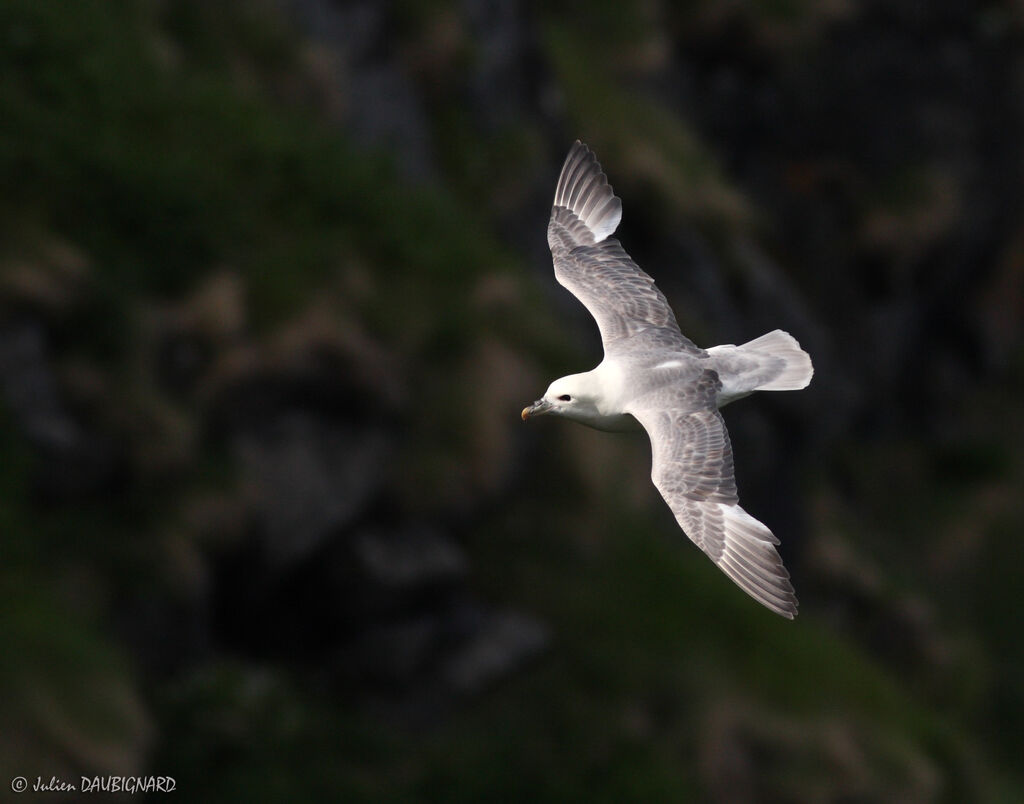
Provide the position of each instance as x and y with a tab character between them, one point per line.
795	370
773	362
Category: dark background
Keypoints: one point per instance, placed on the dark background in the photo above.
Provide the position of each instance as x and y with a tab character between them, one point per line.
274	286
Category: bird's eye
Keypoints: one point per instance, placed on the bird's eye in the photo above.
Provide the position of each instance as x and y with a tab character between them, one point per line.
565	398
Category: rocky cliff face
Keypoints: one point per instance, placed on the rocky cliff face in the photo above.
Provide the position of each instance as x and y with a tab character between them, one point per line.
274	286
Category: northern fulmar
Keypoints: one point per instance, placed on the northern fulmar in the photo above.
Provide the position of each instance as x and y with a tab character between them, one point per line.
654	375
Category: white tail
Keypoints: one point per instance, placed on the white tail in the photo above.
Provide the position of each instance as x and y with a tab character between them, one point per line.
795	370
773	362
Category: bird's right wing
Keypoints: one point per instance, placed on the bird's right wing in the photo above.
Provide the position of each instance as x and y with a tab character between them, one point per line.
630	311
692	468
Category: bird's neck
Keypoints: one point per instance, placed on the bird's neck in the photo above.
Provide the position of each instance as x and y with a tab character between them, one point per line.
603	391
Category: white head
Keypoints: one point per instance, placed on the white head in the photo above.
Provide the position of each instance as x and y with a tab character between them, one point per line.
574	397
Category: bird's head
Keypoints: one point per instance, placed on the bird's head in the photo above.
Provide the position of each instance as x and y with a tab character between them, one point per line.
572	397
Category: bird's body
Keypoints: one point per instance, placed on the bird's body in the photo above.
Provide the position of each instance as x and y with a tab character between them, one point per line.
653	377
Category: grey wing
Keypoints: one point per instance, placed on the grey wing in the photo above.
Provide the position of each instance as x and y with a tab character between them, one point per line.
692	468
630	311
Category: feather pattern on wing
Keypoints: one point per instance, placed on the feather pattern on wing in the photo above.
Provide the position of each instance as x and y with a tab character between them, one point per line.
630	311
692	467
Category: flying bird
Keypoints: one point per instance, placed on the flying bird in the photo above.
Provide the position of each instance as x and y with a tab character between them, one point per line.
654	376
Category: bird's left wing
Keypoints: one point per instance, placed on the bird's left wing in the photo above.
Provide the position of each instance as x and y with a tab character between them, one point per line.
629	309
692	468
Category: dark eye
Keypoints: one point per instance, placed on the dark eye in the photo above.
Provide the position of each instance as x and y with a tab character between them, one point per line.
565	398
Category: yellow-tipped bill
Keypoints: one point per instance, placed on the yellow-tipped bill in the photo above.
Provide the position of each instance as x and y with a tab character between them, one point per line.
536	409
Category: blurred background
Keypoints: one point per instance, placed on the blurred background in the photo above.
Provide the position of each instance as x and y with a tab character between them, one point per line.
274	287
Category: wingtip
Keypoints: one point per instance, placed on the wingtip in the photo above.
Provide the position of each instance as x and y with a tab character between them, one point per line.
751	561
583	188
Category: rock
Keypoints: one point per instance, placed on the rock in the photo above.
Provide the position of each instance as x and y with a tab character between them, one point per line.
307	478
74	461
50	280
384	112
408	559
757	755
503	643
30	387
385	572
500	79
186	338
394	655
428	658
